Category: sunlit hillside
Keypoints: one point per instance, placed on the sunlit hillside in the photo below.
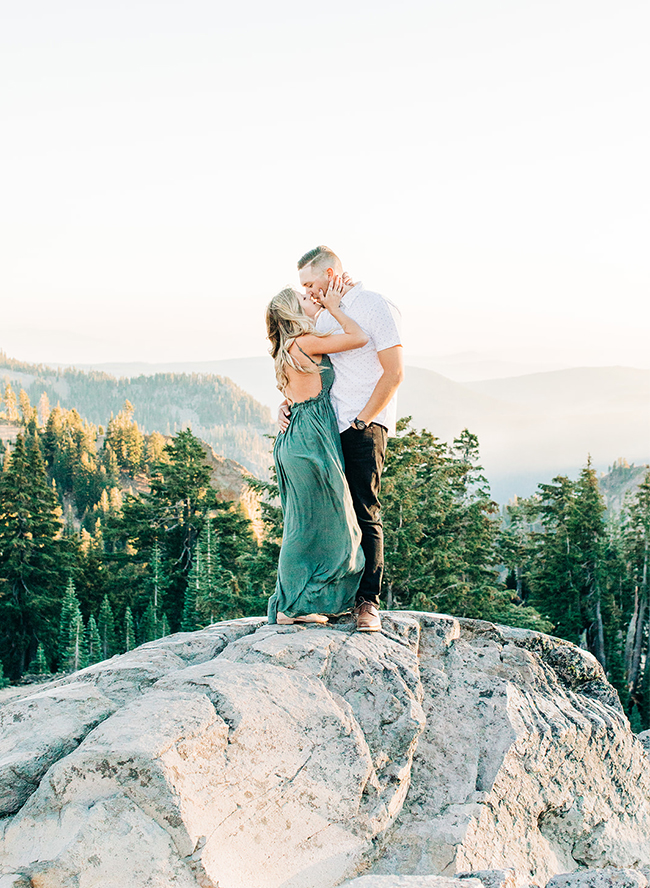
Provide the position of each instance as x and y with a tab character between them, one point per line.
216	409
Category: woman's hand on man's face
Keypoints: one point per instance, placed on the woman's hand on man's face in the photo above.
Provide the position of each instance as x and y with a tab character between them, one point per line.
335	292
348	282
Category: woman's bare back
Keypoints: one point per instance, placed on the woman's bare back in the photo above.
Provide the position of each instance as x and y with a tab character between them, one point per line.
302	386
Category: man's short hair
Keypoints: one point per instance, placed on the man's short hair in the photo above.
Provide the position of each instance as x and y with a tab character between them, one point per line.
319	257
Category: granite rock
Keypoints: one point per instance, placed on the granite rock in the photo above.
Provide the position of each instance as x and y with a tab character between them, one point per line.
442	752
608	877
526	762
411	882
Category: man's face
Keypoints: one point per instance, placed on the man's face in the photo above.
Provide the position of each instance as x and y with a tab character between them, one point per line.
315	279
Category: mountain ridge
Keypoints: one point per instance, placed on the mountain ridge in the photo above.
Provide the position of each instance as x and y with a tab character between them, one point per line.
217	409
530	427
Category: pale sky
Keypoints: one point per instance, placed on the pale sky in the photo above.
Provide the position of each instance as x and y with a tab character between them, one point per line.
484	163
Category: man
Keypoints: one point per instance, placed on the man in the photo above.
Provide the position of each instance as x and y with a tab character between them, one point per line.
363	397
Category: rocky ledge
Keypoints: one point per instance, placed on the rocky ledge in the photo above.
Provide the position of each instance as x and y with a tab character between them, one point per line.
441	752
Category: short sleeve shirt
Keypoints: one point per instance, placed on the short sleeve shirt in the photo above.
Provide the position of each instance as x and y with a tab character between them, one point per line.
357	371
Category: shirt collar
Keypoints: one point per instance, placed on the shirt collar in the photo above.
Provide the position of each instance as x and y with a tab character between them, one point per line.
351	296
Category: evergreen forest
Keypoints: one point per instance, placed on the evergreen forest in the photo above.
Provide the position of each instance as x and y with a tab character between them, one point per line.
219	412
112	537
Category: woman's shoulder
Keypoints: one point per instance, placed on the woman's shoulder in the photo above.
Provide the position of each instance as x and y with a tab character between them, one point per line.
305	346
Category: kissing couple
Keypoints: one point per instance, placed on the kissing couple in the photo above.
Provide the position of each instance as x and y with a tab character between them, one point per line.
338	362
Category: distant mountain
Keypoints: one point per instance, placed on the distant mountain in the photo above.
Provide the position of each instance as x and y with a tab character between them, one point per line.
217	410
534	427
253	375
468	366
530	427
499	363
578	391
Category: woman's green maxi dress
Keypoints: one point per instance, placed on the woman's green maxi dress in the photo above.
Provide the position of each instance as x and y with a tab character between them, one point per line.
321	560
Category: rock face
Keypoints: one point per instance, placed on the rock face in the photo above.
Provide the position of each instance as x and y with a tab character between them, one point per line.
440	752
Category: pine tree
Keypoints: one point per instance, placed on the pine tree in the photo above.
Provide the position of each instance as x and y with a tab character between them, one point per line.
3	680
568	569
109	460
94	642
76	653
555	561
174	513
164	628
125	440
69	611
261	561
207	569
11	409
155	448
106	628
636	725
615	603
32	557
27	412
588	533
441	530
636	545
39	665
643	695
516	544
44	409
129	630
190	619
156	586
148	626
229	551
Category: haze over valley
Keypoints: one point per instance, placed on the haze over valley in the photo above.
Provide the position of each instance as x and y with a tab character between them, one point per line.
530	427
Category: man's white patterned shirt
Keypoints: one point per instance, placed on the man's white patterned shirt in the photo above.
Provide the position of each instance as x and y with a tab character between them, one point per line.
358	371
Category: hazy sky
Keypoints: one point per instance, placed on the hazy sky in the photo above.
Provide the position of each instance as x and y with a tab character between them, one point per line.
482	162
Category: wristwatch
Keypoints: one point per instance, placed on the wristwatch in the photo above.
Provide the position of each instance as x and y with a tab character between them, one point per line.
359	424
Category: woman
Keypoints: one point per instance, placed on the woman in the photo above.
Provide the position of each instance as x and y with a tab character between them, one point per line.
321	561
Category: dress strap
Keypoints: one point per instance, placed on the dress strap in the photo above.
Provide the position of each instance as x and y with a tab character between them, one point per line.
306	355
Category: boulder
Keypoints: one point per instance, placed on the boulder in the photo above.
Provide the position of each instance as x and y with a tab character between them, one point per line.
15	880
526	762
411	882
37	731
608	877
441	752
644	740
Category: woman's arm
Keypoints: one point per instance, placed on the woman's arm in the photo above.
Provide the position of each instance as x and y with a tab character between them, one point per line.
351	337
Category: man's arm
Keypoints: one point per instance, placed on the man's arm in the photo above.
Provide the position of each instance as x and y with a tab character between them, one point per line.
392	362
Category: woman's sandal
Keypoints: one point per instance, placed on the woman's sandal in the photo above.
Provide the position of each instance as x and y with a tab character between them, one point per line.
311	618
283	620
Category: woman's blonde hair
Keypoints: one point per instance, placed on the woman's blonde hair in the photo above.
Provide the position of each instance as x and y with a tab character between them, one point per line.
285	322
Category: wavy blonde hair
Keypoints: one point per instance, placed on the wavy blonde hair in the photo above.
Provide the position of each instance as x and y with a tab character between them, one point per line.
285	322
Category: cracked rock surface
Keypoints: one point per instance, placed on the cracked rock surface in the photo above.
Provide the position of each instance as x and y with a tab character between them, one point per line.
438	752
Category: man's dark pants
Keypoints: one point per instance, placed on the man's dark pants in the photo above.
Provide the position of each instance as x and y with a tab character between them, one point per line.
364	453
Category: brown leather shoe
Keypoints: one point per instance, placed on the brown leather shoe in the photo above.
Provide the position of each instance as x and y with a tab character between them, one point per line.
367	617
